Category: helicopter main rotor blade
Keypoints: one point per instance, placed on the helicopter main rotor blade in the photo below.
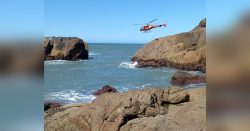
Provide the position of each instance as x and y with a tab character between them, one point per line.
152	21
138	24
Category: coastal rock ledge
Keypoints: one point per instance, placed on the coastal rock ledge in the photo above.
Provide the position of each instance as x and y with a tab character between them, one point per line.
184	78
65	48
152	109
185	51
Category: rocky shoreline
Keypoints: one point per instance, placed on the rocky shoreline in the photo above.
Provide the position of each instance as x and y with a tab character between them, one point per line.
147	109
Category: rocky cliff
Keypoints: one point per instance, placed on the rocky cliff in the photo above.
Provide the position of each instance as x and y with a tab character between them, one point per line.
152	109
65	48
186	51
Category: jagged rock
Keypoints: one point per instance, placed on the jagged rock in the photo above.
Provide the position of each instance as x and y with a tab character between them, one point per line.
105	89
185	78
116	111
65	48
188	116
184	51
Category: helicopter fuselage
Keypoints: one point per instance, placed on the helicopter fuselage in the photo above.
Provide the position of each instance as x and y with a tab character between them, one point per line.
149	27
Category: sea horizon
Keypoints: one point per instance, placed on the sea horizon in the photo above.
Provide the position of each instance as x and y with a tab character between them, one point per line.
117	43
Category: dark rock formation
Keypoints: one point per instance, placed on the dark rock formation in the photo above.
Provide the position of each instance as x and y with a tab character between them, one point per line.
105	89
185	78
184	51
147	109
48	105
65	48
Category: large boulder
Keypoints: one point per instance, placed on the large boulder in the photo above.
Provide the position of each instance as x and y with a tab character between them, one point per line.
184	51
185	78
146	109
65	48
105	89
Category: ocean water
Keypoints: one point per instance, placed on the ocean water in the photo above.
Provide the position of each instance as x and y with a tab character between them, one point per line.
109	64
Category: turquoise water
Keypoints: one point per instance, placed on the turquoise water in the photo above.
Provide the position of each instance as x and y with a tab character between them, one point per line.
109	64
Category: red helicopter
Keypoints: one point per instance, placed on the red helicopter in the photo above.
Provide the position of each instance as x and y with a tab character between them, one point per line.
148	27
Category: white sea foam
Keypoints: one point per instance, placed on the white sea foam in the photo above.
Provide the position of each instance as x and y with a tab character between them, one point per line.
143	86
128	65
55	62
195	85
94	53
124	89
70	96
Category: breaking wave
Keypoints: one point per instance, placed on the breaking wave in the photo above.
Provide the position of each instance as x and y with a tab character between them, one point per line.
195	85
55	62
69	97
128	65
144	86
93	53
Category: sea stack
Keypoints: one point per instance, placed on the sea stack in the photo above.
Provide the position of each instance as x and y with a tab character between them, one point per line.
65	48
185	51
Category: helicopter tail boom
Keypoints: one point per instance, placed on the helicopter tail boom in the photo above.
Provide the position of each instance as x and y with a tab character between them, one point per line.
165	25
162	25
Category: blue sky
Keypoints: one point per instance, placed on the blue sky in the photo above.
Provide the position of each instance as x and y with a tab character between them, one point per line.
112	21
21	18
